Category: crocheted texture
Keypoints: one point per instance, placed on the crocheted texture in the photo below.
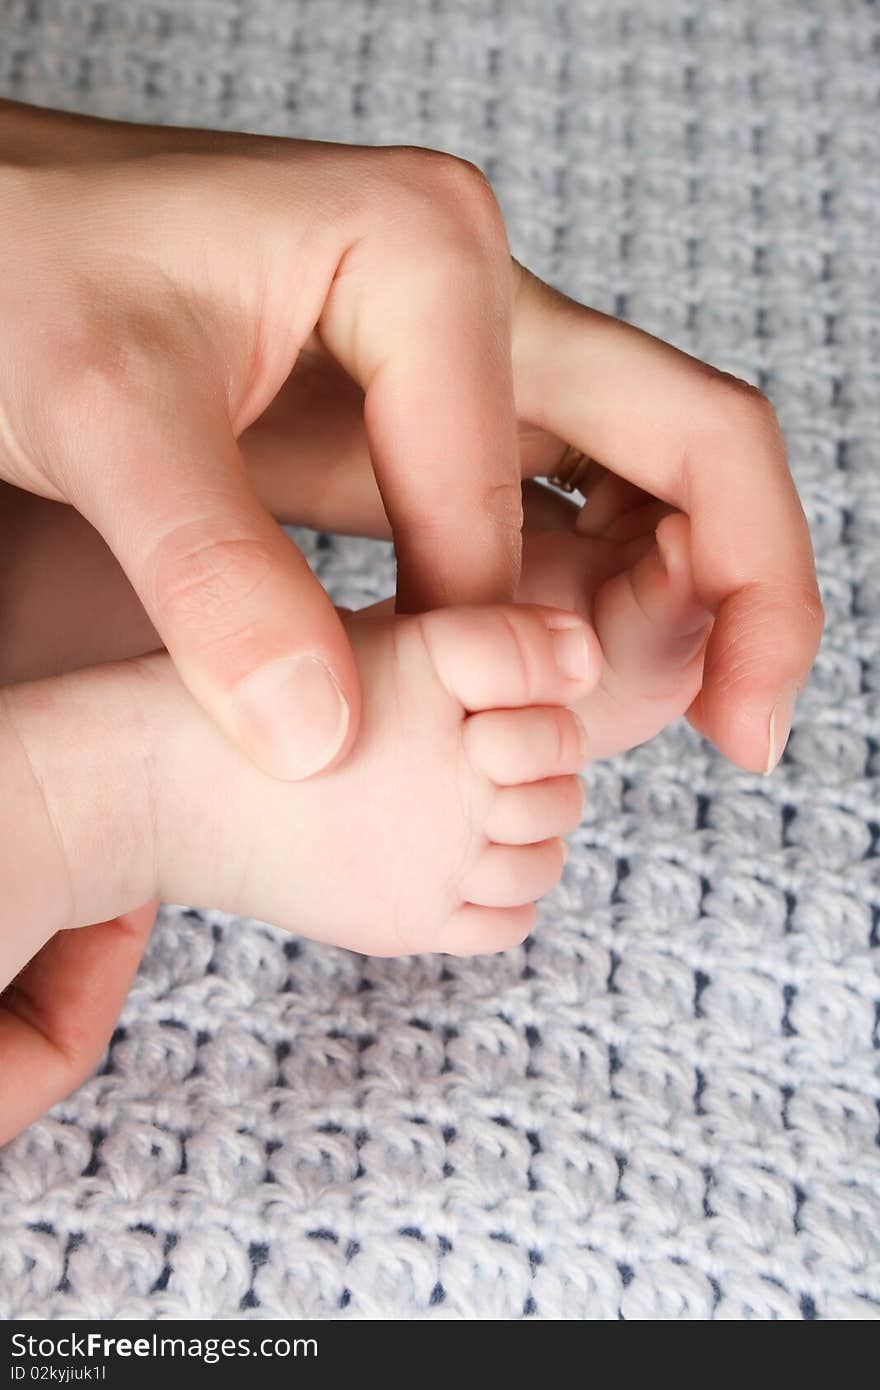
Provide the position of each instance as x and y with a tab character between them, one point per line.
666	1103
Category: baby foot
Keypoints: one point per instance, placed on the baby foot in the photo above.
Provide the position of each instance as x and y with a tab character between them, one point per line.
622	561
634	582
441	828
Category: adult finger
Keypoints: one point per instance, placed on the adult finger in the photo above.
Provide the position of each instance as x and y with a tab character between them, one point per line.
710	446
420	317
57	1016
251	631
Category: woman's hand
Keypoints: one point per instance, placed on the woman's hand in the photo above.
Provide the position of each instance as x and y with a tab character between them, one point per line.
666	427
57	1015
166	283
163	284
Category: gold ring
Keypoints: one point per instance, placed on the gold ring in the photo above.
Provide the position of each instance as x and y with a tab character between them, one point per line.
571	470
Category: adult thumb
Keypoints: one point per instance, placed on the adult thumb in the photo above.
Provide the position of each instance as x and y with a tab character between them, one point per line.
250	629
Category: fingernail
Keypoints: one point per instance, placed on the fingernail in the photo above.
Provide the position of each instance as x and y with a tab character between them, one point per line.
571	653
292	716
781	717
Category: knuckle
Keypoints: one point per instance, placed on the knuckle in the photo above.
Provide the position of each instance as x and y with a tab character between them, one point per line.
438	170
208	580
445	183
731	400
441	508
89	371
464	181
440	512
98	349
98	377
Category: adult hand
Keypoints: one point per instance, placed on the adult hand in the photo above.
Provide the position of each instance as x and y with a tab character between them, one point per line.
57	1015
661	422
163	283
664	426
658	420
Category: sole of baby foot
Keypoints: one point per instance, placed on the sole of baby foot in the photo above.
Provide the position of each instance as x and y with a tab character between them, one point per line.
444	823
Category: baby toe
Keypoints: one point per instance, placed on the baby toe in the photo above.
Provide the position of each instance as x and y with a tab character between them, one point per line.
649	618
511	875
478	931
536	811
512	655
530	745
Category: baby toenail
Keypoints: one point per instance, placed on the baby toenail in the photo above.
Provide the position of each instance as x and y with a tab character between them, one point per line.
571	652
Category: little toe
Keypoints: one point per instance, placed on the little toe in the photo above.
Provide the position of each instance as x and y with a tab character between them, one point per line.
479	931
511	875
529	745
538	811
511	655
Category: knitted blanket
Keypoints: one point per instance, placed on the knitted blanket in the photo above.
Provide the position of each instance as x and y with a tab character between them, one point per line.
666	1103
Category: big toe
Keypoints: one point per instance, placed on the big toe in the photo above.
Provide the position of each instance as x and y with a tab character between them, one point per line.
512	655
649	619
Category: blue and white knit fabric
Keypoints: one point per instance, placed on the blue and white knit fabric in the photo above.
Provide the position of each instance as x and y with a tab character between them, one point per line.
666	1104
